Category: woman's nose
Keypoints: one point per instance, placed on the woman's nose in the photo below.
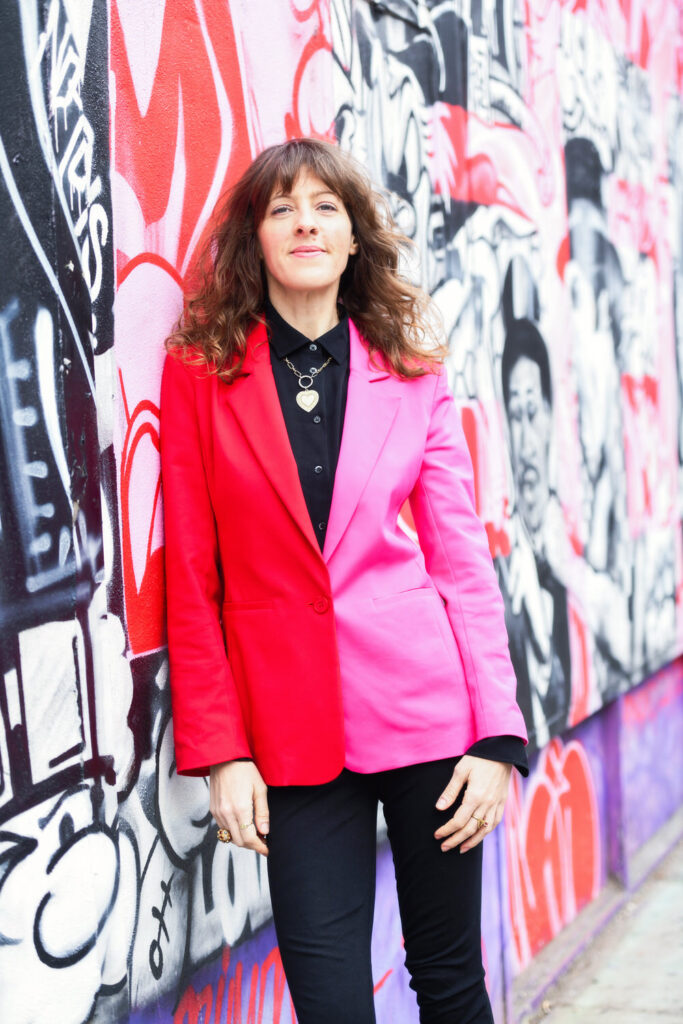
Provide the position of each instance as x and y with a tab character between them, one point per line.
306	223
527	445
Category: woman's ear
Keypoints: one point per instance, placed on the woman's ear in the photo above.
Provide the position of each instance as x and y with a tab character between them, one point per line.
353	248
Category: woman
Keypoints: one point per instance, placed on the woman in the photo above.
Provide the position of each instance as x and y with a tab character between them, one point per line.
320	661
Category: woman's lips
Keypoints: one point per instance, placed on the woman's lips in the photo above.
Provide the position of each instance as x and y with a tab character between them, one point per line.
307	251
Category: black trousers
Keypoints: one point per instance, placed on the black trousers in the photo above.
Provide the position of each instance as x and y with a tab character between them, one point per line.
321	869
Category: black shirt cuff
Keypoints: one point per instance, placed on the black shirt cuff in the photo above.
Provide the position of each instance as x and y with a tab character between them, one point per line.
508	749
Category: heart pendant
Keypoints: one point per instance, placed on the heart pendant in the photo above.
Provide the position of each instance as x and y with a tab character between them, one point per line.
307	400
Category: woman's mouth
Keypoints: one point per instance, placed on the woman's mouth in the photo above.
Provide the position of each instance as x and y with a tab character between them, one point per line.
307	250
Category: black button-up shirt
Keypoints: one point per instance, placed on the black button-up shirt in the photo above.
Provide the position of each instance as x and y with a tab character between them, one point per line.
315	438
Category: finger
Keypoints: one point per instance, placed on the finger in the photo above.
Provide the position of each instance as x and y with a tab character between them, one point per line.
261	815
481	832
493	816
234	830
246	838
463	814
450	793
251	840
482	812
247	828
242	823
460	836
477	838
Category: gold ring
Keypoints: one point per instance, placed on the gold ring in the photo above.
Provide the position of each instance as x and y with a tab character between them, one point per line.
481	822
247	825
224	835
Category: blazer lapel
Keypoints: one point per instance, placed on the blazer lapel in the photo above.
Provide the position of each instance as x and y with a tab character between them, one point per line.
369	415
254	402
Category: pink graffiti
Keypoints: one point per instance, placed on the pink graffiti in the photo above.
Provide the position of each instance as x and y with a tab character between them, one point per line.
644	705
646	465
553	847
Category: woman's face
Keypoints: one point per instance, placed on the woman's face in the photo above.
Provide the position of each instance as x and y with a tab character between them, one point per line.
306	239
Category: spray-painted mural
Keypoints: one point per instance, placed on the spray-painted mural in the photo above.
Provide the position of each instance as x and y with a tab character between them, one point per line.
533	152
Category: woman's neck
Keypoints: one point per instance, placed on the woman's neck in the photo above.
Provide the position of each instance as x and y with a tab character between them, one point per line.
311	315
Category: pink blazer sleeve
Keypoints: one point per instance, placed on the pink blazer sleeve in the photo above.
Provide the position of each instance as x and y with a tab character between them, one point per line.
207	719
457	557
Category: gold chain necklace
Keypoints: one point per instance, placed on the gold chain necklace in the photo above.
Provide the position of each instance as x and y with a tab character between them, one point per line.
308	398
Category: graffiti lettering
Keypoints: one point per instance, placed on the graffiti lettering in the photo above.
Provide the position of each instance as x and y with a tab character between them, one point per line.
156	955
553	839
74	140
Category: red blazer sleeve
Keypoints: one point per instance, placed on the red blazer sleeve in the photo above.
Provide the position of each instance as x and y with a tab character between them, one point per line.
457	558
208	725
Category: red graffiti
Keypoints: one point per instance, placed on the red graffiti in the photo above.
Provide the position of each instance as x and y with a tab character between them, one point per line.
179	112
471	176
225	1004
144	600
643	449
581	666
230	1002
382	981
553	847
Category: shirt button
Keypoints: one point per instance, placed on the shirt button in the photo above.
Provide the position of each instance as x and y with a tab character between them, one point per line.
313	370
318	469
317	419
320	605
321	526
313	347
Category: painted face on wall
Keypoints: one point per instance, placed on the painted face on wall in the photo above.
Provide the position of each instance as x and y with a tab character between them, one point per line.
594	366
306	238
529	416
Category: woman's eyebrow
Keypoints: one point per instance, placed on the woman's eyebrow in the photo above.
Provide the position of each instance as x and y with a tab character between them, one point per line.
288	195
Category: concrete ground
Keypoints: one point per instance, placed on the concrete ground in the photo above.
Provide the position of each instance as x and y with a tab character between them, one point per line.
633	972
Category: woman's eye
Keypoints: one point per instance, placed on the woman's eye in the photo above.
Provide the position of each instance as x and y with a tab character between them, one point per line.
279	209
327	207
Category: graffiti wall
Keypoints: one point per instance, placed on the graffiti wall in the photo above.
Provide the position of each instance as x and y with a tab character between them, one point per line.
532	150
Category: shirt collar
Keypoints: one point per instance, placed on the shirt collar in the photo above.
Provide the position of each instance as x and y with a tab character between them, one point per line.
285	339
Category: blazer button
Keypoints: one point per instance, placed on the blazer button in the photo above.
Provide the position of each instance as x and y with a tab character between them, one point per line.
320	605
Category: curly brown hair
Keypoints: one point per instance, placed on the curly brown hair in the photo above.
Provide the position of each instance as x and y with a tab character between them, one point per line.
392	314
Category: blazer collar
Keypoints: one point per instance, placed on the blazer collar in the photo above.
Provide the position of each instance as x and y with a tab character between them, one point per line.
370	412
254	402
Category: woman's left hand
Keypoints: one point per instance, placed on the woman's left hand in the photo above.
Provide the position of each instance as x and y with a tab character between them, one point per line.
484	799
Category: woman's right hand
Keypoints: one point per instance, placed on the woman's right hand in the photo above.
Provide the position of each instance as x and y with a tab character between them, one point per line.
238	802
